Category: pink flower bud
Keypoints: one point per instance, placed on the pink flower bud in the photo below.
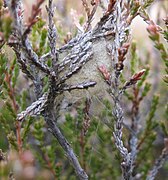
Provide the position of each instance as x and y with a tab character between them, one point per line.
138	75
153	28
104	72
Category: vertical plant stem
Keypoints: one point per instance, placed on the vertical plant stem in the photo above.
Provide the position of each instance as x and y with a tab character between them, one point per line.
15	107
50	165
134	126
82	145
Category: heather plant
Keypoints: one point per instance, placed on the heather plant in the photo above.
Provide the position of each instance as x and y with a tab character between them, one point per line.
81	104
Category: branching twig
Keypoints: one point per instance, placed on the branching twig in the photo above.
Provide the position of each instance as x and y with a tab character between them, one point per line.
159	162
33	17
52	34
34	109
46	102
83	85
118	52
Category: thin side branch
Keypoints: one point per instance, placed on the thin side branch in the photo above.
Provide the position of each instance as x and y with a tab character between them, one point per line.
159	162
